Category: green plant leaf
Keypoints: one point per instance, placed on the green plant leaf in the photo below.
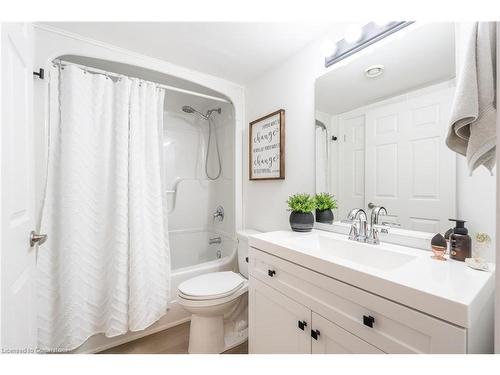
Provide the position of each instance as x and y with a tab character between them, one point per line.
301	203
325	201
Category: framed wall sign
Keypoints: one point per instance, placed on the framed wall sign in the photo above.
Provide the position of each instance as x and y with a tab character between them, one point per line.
267	147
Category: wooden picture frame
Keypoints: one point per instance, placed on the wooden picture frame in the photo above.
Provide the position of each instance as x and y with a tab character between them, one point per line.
266	147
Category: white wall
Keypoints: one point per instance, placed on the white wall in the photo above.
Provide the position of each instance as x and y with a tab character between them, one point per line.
291	86
476	194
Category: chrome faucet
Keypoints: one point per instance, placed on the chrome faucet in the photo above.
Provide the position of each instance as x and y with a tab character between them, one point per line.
358	219
215	240
374	225
219	214
361	231
374	220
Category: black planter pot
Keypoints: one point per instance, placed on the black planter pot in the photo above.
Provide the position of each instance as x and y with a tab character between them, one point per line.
324	216
301	222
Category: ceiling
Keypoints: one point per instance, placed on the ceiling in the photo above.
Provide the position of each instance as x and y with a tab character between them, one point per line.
415	58
238	52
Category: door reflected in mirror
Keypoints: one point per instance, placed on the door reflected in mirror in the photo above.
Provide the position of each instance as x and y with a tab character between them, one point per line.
381	122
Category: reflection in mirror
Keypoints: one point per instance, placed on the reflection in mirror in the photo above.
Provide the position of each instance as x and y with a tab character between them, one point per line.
381	122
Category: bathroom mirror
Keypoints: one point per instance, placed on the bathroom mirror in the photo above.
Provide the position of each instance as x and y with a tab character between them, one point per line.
381	119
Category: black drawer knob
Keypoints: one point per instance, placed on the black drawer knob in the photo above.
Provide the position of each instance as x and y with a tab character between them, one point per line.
314	334
368	320
271	273
302	324
246	259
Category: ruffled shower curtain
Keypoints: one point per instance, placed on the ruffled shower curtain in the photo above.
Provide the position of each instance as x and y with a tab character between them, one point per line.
105	267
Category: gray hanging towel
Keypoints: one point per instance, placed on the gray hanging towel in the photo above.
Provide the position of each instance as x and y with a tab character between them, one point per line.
472	131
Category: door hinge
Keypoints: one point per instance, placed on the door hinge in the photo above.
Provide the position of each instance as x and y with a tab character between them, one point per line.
40	74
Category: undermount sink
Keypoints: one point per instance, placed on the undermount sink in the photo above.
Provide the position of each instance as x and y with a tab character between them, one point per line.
375	256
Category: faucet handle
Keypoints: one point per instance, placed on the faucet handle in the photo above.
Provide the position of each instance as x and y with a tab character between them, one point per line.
382	227
390	224
353	233
373	235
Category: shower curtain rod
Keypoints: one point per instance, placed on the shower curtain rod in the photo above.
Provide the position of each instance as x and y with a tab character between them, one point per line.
166	87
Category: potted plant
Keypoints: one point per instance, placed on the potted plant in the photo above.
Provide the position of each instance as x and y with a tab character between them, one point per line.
301	218
324	204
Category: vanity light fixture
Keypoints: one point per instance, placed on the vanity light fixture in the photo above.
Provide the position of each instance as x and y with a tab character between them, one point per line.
353	34
374	71
329	47
358	37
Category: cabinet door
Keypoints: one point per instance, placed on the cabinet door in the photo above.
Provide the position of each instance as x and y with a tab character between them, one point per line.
329	338
274	322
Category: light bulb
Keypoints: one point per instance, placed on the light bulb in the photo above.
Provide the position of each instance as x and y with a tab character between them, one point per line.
329	48
353	33
382	23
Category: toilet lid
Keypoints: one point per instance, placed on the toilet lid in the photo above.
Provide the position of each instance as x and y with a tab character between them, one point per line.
211	285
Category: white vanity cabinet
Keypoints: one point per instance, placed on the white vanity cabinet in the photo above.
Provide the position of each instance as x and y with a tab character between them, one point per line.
294	309
275	323
329	338
281	325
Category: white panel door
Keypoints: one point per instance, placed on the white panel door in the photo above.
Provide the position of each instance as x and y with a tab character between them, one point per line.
409	169
330	338
18	315
274	322
352	164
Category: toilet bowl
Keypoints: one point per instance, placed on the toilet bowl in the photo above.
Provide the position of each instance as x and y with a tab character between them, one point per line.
218	303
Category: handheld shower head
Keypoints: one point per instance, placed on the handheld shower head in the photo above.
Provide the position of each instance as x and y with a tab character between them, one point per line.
188	109
211	124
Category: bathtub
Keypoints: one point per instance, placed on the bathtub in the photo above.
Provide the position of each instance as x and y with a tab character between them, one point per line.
191	255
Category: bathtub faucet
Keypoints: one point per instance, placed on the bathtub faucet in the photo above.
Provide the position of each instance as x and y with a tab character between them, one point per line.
214	240
219	213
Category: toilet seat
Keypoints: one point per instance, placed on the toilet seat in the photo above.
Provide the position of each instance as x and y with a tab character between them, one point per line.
212	286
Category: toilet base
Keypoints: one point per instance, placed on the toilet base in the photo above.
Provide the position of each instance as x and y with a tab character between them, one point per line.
206	334
211	335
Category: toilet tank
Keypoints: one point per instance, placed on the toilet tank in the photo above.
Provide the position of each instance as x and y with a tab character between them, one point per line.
242	236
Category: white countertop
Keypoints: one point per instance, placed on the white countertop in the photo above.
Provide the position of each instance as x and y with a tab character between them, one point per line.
448	289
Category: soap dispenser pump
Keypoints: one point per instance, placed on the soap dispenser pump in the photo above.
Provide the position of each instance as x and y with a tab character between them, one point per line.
460	241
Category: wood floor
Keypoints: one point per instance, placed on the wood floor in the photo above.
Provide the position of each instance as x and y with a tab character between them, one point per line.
170	341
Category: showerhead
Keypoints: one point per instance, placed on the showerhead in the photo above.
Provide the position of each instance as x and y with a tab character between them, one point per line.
189	109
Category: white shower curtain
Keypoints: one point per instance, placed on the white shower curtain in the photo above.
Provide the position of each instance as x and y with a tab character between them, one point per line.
322	175
106	264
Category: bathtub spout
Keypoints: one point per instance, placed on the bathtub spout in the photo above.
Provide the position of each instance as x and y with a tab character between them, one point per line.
214	240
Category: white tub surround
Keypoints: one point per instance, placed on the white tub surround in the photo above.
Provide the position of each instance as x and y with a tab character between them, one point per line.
413	303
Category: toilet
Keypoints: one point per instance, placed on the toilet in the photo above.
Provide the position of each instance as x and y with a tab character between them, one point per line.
218	303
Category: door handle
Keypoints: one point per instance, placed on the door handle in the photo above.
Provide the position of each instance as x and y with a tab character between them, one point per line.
314	334
302	324
37	238
368	320
271	273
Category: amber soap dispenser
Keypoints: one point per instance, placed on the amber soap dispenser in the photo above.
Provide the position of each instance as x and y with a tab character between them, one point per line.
460	241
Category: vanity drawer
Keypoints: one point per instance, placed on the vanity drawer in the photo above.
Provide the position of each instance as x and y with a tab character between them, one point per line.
394	328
